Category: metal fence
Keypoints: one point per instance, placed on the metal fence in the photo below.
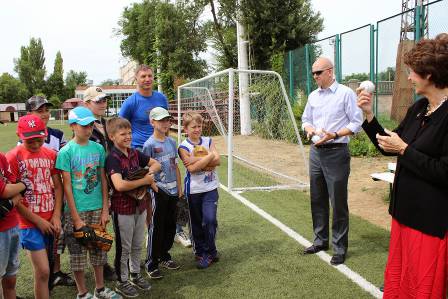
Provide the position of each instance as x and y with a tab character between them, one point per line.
370	52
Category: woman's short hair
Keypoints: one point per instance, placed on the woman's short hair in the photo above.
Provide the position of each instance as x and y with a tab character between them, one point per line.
430	57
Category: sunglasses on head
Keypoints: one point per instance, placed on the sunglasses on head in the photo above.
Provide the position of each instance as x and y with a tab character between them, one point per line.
319	72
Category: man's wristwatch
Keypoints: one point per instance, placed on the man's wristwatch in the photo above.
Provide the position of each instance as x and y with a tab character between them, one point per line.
336	136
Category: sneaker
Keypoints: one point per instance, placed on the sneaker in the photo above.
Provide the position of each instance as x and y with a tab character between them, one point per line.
213	258
106	293
62	279
203	262
170	265
183	239
109	273
126	289
154	274
140	282
86	296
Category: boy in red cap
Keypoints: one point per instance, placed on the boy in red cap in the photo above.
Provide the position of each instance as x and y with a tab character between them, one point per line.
40	209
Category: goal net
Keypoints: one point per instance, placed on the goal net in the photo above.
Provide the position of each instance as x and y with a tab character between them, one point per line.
56	117
250	118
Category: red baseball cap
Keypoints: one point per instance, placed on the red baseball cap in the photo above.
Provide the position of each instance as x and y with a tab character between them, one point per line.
31	126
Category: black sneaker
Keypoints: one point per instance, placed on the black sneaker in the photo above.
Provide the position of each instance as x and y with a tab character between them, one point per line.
62	279
109	273
155	274
170	265
140	282
126	289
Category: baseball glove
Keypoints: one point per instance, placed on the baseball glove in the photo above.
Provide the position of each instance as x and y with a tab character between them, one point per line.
6	205
199	151
140	193
94	236
183	214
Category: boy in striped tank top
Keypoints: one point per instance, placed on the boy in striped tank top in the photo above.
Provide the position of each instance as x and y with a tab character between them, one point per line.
200	157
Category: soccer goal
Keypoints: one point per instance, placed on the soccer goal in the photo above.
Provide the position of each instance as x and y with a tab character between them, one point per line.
56	117
250	117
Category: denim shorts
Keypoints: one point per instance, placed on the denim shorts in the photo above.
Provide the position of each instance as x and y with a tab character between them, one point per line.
33	239
9	248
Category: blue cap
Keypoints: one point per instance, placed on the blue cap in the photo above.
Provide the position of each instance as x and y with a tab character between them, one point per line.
81	116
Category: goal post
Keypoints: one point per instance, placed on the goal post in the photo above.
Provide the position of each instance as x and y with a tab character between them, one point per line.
56	117
270	155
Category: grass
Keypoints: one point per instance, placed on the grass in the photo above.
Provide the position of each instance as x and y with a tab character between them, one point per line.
257	259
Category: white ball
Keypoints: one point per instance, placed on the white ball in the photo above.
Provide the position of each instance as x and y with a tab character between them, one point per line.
367	86
315	138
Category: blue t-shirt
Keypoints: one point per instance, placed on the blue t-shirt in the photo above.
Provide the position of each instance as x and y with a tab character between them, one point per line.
136	109
165	152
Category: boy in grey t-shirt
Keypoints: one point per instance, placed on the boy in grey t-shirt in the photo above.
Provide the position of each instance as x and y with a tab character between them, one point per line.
163	225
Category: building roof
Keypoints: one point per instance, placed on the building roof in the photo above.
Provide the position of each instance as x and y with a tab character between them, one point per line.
108	87
12	107
72	103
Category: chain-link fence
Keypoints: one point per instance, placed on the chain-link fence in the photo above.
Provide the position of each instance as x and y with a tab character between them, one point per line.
370	52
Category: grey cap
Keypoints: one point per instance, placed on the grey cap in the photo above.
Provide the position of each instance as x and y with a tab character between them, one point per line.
35	102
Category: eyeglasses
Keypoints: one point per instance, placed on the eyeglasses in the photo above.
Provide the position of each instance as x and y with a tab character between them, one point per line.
318	73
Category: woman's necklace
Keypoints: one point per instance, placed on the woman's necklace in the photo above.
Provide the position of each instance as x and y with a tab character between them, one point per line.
430	111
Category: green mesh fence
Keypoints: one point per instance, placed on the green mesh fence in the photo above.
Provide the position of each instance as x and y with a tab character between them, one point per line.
370	52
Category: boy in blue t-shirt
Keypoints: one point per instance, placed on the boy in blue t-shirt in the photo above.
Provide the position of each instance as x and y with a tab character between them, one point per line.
81	162
163	225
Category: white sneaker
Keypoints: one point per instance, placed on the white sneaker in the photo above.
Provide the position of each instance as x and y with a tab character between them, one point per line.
183	239
107	294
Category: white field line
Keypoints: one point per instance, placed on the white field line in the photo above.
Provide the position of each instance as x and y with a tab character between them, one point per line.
352	275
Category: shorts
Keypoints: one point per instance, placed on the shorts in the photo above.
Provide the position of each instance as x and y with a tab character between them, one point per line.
33	239
9	248
78	253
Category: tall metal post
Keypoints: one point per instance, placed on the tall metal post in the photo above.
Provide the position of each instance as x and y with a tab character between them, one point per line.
375	106
308	69
246	128
230	133
337	58
418	19
291	75
372	53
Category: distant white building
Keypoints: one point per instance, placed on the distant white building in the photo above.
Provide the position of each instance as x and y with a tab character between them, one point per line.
127	73
12	111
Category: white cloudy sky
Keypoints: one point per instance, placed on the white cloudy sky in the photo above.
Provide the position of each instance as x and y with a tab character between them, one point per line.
83	30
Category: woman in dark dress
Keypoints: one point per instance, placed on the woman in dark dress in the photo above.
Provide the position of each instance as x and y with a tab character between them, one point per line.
417	266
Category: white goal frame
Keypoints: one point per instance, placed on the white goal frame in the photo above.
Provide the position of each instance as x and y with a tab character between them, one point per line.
231	73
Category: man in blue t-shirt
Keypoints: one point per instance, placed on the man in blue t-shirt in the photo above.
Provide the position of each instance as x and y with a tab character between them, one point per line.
137	106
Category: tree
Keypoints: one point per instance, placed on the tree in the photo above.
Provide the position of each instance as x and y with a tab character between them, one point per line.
357	76
272	27
387	75
12	90
31	66
172	30
110	82
55	83
72	80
